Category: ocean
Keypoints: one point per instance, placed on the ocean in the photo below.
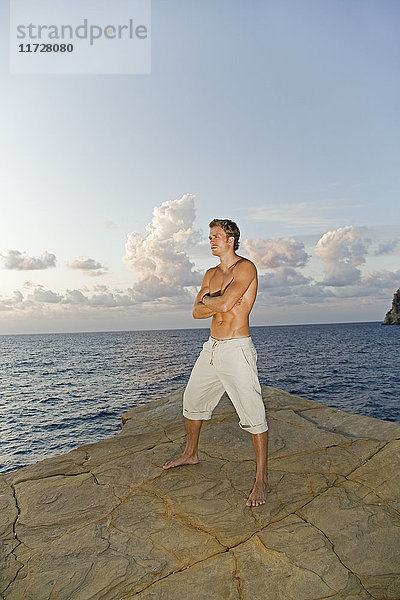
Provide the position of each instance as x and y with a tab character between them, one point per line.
59	391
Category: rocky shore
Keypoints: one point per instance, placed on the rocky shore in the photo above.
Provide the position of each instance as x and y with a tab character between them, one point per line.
393	315
106	522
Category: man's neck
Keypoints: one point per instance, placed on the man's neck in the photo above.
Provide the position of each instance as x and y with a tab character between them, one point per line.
228	260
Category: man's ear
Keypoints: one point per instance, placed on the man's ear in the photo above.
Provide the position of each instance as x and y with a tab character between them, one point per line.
231	240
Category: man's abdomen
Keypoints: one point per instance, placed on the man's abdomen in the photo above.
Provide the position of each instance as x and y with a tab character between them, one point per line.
228	325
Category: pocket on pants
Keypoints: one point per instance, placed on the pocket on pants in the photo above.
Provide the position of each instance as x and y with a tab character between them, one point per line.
207	346
250	355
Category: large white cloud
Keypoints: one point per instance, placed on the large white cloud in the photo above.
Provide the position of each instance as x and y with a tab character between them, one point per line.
275	253
342	251
160	258
16	260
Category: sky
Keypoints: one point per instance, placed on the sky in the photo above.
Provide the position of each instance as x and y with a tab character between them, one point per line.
280	115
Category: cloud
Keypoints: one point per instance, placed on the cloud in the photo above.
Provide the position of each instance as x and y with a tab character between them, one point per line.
88	266
18	261
342	251
310	215
75	297
109	224
282	277
166	277
280	256
29	284
46	296
102	298
372	284
100	288
288	286
160	258
274	253
8	304
387	247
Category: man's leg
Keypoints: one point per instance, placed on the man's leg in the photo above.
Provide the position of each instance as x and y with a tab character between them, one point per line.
201	396
189	456
240	379
258	494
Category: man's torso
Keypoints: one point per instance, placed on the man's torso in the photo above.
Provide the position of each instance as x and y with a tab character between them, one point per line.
235	322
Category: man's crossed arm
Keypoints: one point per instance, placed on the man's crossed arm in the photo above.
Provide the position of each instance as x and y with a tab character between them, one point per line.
206	306
200	311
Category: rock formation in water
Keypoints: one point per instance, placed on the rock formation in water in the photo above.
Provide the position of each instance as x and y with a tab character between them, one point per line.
107	522
393	316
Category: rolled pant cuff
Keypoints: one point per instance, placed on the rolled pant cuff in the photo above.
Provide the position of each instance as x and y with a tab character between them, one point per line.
197	416
255	428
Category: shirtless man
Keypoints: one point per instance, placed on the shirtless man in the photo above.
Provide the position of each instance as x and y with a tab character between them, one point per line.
228	359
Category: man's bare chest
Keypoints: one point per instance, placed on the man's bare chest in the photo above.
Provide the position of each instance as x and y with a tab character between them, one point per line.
220	281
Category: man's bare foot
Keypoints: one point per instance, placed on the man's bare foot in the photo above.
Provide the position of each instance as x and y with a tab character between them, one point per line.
258	494
183	459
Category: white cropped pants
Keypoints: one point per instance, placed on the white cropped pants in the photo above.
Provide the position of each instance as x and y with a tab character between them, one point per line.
226	365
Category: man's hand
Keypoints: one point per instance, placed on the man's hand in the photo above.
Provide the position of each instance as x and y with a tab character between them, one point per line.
200	310
219	293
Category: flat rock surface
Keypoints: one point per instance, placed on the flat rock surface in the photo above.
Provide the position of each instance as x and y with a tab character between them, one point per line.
106	522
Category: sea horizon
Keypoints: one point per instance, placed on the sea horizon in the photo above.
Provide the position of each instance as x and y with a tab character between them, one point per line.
58	332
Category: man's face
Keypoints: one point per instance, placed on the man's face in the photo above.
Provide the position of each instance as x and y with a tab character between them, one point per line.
219	241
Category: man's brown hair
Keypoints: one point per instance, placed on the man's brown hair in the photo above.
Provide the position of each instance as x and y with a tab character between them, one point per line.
230	228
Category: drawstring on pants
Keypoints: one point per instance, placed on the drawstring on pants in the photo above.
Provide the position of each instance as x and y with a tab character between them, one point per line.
223	341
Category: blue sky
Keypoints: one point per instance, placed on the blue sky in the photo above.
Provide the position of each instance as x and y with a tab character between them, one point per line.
283	116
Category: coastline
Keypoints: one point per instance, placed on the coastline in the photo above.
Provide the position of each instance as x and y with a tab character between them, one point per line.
105	521
60	392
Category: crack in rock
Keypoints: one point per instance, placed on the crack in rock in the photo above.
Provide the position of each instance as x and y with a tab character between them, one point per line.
14	528
384	502
51	476
207	453
335	429
181	517
168	437
282	553
198	562
346	475
167	550
334	551
230	548
236	578
384	444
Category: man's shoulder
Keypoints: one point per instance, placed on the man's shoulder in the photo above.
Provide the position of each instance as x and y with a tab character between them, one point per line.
245	264
210	272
